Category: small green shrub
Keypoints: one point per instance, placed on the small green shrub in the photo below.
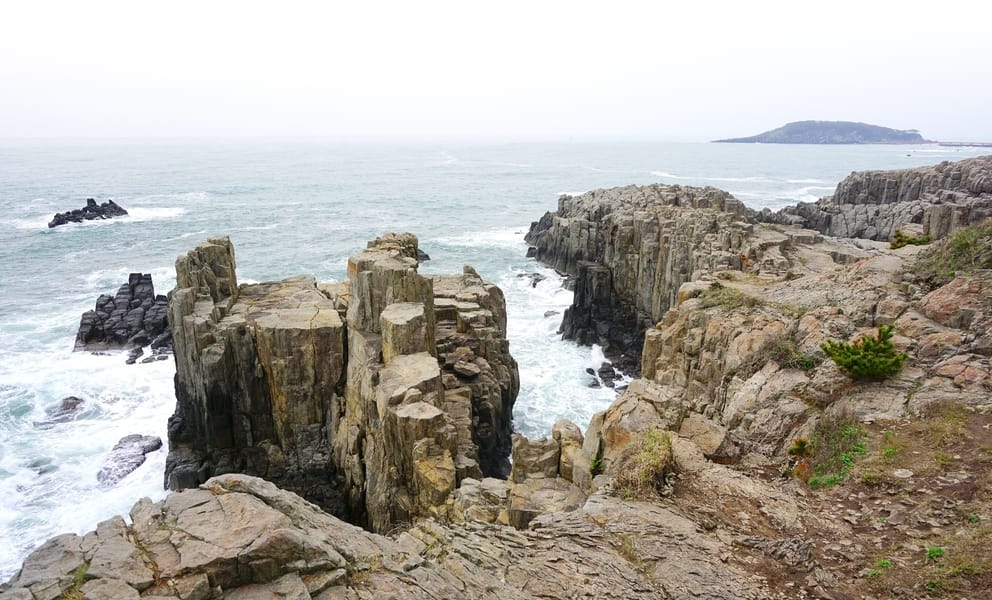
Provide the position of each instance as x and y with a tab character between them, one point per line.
900	239
869	358
934	552
883	563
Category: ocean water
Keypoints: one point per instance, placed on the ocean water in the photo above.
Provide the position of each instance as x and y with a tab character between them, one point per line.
299	207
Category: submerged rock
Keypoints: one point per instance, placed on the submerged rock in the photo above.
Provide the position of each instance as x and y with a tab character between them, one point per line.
90	212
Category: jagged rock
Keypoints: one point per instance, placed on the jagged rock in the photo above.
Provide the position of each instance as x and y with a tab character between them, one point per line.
67	409
91	211
356	413
127	455
132	318
873	204
711	438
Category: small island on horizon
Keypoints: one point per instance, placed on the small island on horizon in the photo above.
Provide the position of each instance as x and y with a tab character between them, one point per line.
832	132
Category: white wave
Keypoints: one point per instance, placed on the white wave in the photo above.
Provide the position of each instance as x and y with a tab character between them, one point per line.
140	214
448	159
667	175
806	181
483	239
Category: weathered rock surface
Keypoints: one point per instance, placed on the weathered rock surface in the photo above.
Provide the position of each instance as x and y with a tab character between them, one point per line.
90	212
132	318
240	537
372	398
127	455
873	204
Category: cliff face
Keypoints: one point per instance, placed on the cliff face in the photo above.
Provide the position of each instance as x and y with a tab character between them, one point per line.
372	398
630	249
873	204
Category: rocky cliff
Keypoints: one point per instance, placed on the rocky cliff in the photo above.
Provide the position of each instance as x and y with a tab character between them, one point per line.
372	398
873	204
630	249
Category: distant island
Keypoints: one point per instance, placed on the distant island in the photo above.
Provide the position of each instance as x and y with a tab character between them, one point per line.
831	132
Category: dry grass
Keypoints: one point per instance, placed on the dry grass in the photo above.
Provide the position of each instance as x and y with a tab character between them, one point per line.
646	467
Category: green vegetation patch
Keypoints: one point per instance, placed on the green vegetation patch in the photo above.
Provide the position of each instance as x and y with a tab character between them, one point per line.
961	253
837	443
900	239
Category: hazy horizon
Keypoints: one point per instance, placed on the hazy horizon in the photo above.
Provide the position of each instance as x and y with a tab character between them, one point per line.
549	71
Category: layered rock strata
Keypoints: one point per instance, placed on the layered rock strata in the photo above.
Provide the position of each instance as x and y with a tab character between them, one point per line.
373	397
132	318
873	204
92	211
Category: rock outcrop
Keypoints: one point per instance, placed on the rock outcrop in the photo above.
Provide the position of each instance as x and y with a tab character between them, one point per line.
873	204
372	398
90	212
132	318
630	249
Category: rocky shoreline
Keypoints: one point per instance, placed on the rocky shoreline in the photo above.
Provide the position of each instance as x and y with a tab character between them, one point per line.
387	400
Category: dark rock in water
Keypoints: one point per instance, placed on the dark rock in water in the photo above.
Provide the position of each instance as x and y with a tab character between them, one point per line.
133	355
69	405
422	256
90	212
535	278
595	384
531	251
550	313
134	317
42	466
126	456
590	370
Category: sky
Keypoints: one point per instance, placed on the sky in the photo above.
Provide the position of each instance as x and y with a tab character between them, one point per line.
513	70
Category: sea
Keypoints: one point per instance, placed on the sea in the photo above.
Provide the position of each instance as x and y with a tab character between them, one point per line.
291	207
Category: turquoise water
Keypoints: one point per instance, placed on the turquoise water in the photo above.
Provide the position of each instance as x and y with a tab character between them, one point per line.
299	207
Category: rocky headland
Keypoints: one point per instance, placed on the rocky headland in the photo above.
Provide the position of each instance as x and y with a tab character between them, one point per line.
930	201
742	463
91	212
831	132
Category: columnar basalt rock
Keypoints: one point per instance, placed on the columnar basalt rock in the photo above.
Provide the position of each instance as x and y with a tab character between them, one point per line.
92	211
630	249
363	396
131	318
873	204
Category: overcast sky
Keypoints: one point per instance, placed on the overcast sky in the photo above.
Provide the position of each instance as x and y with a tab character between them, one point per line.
517	70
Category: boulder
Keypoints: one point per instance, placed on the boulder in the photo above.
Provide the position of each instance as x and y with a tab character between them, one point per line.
91	211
